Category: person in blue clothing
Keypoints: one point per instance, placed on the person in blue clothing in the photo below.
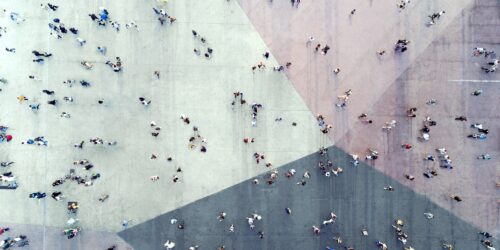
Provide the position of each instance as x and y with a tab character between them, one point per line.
103	14
38	195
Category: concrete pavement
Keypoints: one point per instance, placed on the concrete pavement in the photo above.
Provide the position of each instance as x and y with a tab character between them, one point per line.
385	86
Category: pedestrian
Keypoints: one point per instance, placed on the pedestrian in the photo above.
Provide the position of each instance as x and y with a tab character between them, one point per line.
484	157
330	220
169	244
429	215
325	49
318	46
3	230
409	177
309	40
435	16
102	49
38	195
316	230
81	41
57	196
48	92
132	25
456	198
221	216
144	101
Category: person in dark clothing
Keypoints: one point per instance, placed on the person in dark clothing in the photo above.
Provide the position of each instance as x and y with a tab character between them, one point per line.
38	195
57	182
93	17
56	196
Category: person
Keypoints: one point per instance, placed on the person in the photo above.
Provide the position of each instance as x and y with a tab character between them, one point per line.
88	65
325	49
401	45
316	230
48	92
260	234
477	92
6	163
38	195
102	49
14	16
484	157
332	219
222	216
486	234
3	230
456	198
57	196
144	101
381	245
435	16
81	41
309	40
447	246
409	177
126	222
132	24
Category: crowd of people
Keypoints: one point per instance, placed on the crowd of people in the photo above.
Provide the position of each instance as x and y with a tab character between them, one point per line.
86	175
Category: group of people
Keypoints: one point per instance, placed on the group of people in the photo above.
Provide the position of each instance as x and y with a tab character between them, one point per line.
325	166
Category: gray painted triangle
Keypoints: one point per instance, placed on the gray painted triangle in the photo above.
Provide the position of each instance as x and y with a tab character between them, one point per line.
356	196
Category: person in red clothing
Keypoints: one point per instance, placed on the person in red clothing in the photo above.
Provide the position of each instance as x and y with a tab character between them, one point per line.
3	230
406	146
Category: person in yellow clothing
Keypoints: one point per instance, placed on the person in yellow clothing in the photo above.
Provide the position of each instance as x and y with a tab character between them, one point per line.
22	98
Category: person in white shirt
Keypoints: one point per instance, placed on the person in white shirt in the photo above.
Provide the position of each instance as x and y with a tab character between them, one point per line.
169	244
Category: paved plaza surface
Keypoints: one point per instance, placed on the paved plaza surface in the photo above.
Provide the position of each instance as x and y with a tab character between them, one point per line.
438	65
